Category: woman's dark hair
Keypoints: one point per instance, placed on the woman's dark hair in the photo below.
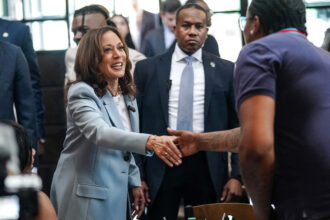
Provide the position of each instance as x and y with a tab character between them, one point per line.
23	143
128	38
90	55
276	15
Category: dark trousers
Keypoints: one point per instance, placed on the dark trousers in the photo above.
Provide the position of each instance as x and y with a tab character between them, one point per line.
190	181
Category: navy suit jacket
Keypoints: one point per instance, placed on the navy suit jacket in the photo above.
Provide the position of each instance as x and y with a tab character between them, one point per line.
149	22
211	45
152	81
15	87
154	43
19	34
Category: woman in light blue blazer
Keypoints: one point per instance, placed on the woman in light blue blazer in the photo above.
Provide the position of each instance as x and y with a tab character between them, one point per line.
96	171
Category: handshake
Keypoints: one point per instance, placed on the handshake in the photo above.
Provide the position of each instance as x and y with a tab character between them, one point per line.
172	148
184	143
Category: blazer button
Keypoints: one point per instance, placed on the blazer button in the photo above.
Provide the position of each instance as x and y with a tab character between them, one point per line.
127	156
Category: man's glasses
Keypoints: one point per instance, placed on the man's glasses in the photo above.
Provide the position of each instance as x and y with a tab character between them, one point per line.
242	22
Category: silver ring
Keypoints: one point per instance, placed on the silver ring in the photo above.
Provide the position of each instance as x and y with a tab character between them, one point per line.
165	154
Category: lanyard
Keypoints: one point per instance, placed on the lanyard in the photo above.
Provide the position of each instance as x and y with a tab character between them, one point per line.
292	30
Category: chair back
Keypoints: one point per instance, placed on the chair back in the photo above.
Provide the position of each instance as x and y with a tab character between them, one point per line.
240	211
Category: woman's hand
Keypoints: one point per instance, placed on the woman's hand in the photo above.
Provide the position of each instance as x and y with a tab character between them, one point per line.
165	149
188	141
137	201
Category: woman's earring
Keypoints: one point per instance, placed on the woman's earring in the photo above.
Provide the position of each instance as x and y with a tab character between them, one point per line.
251	32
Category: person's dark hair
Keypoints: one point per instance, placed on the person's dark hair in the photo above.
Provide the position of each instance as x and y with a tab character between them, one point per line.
111	23
88	58
170	6
128	38
193	1
23	143
326	42
208	12
276	15
92	9
185	6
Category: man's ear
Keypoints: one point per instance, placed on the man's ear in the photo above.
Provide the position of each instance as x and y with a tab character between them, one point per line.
161	14
257	27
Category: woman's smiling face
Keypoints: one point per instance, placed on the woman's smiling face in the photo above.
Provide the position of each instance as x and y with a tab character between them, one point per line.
114	57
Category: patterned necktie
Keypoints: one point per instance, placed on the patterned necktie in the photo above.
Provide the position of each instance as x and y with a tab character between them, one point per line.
186	96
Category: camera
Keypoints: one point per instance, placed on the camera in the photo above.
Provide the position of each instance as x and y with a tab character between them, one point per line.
18	192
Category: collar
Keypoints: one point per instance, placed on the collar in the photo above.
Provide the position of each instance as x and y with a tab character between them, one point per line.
293	31
179	54
168	34
167	30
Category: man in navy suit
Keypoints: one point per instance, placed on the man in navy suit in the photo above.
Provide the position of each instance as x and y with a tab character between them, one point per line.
203	177
19	34
157	41
15	87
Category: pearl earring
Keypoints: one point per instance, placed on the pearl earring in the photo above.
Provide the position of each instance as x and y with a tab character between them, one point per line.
251	32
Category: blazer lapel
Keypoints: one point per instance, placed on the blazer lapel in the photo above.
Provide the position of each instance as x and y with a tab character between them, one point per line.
133	115
162	40
112	110
209	71
164	85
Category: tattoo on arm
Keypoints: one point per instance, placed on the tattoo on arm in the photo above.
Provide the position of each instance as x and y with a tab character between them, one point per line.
222	140
232	139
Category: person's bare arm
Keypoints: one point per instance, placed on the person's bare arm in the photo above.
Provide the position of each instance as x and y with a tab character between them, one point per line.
191	142
46	209
256	150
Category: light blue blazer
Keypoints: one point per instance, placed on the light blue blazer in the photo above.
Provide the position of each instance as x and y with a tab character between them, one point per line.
96	167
